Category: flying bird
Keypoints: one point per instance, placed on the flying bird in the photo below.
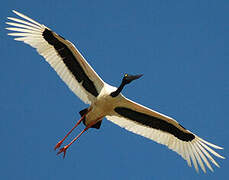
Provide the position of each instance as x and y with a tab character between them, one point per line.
107	101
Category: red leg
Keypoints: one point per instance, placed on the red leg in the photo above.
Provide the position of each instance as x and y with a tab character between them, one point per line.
60	142
64	149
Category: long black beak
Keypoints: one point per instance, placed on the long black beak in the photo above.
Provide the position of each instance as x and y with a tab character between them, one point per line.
133	77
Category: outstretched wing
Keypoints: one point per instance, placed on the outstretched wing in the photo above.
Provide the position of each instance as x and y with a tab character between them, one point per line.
61	54
164	130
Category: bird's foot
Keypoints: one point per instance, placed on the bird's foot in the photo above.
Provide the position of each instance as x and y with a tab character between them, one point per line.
58	144
64	149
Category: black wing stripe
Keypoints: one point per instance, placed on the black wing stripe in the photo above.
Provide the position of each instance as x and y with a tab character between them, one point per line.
71	62
154	122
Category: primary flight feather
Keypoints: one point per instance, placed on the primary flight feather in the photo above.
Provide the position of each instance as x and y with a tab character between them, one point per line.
107	101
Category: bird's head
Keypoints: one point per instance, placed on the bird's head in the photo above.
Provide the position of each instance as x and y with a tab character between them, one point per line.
129	78
125	80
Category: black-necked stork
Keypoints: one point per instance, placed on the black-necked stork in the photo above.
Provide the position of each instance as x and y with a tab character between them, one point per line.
106	100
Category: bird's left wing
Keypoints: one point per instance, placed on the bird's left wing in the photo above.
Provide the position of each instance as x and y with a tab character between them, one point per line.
164	130
61	54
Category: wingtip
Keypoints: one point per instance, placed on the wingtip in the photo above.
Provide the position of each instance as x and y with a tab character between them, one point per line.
217	147
14	11
222	157
211	169
210	144
9	18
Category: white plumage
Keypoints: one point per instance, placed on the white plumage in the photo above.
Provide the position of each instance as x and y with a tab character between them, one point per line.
107	101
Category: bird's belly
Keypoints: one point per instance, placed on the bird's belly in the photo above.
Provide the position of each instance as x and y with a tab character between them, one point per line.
99	110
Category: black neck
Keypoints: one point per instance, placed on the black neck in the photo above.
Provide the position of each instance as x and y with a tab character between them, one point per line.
117	92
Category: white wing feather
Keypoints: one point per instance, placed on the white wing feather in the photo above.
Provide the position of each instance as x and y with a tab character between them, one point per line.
195	150
30	32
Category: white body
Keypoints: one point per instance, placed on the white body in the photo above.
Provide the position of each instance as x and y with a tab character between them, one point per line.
103	104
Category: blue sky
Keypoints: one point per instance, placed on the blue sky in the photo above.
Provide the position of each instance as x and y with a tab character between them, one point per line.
181	47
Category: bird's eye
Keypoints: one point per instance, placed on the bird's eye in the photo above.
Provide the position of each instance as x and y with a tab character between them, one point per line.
126	75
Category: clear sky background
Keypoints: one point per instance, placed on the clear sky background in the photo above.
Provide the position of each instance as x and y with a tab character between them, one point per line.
180	46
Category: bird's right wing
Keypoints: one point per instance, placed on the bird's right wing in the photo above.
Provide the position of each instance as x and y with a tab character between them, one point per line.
164	130
61	54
